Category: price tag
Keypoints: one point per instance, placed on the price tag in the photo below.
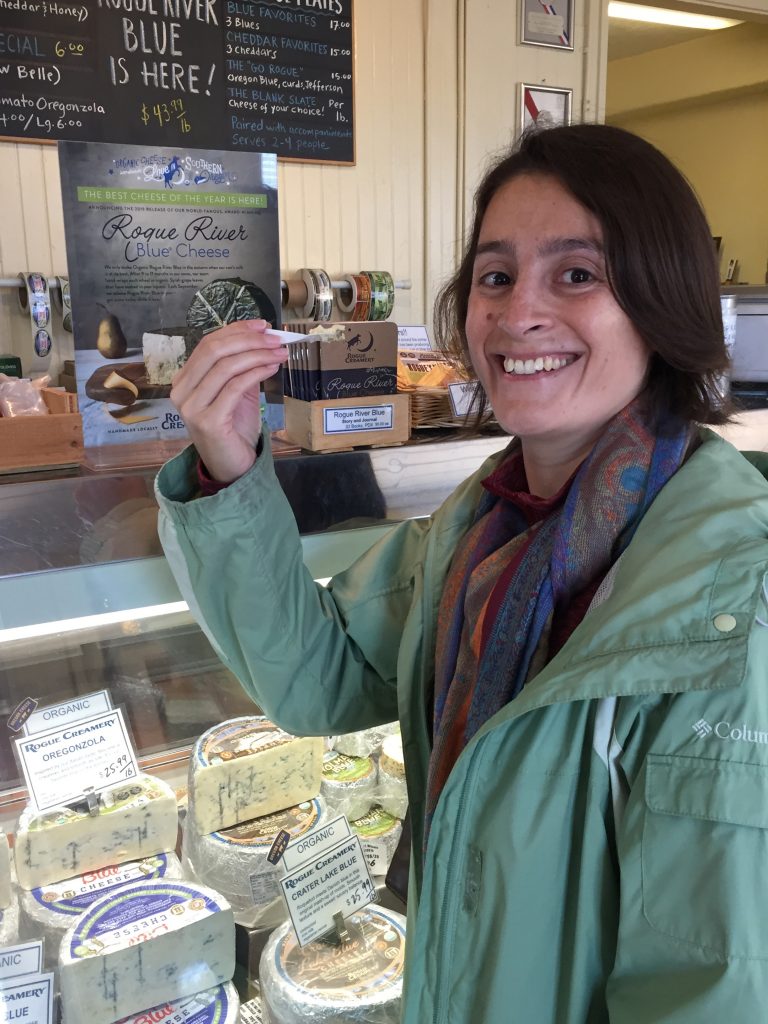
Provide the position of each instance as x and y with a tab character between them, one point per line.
30	1001
414	338
59	765
329	882
461	396
18	961
67	712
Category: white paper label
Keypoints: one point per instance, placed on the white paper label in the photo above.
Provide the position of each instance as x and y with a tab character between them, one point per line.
264	888
336	881
61	764
58	715
542	24
18	961
311	845
414	339
353	419
376	857
461	396
251	1012
30	1001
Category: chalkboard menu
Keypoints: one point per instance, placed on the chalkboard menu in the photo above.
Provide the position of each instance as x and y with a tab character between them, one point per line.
258	75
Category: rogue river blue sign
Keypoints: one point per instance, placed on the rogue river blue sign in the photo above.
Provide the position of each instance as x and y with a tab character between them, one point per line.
253	75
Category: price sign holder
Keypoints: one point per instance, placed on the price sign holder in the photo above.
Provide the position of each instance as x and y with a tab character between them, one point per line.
30	1000
327	884
71	765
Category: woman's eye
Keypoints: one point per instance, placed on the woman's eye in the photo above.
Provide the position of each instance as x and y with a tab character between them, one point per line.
577	275
494	279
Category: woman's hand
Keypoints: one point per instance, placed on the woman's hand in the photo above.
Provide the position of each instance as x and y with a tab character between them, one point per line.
217	394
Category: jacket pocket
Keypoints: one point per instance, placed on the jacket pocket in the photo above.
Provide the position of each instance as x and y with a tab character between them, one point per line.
705	854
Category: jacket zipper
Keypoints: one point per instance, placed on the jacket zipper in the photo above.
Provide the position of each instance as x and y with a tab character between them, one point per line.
448	916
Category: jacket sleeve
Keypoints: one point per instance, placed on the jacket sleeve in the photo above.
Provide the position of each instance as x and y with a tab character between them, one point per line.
317	660
692	941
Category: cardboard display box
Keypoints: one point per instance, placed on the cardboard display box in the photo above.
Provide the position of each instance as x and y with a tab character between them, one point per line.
37	442
362	363
333	425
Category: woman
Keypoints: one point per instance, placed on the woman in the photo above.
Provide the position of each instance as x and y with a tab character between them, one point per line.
572	644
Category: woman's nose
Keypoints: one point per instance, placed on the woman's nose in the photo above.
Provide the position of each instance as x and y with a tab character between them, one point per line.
525	309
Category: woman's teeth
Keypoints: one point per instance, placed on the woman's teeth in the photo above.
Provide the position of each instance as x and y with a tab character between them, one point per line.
523	366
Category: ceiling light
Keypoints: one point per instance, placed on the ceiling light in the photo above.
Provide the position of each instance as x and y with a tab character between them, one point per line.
662	16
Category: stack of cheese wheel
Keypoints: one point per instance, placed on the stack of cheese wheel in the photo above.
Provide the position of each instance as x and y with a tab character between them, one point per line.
392	793
235	861
50	910
248	781
146	944
366	743
360	981
349	783
379	834
219	1005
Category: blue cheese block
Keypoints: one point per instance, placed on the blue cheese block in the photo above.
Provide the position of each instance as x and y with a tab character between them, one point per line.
247	768
330	984
47	912
5	872
136	819
146	944
219	1005
234	861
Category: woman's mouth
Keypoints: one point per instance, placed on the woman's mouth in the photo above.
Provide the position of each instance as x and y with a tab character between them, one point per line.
541	364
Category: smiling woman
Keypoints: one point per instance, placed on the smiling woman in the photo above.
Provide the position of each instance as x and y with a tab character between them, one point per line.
555	636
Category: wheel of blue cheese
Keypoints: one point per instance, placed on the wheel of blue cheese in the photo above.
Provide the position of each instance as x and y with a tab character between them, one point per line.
365	743
136	819
325	983
47	912
227	299
379	835
145	944
234	861
349	783
219	1005
246	768
392	793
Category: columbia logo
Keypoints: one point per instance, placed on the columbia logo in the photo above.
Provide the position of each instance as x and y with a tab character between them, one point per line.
702	728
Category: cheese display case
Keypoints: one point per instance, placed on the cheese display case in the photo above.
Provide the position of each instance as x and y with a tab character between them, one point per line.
157	869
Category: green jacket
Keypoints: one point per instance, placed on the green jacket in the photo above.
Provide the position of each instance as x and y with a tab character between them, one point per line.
600	852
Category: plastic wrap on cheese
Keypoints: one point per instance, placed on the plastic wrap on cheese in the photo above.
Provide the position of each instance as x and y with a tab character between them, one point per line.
349	783
219	1005
6	886
323	983
146	944
47	912
246	768
392	793
379	835
136	819
234	861
9	923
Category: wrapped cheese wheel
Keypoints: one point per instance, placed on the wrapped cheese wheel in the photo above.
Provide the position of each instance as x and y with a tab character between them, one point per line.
392	793
219	1005
379	835
325	983
9	923
234	861
47	912
365	743
349	783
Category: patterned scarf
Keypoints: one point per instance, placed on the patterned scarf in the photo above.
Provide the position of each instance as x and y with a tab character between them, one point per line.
483	662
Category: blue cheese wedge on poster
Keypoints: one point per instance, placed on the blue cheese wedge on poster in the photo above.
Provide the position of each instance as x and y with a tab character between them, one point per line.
219	1005
6	888
47	912
246	768
165	352
146	944
136	819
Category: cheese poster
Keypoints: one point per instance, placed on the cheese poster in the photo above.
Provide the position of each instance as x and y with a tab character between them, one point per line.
163	247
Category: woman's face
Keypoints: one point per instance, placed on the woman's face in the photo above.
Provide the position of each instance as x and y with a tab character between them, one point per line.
557	356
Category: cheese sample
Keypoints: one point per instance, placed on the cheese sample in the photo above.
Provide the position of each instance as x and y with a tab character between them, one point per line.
9	923
5	872
145	944
379	835
234	861
246	768
219	1005
164	355
136	819
49	911
349	783
324	982
392	792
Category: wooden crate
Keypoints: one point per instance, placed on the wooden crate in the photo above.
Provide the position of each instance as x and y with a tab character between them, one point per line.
335	424
39	442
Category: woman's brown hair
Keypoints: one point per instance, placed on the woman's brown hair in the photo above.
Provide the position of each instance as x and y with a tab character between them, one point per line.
660	257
